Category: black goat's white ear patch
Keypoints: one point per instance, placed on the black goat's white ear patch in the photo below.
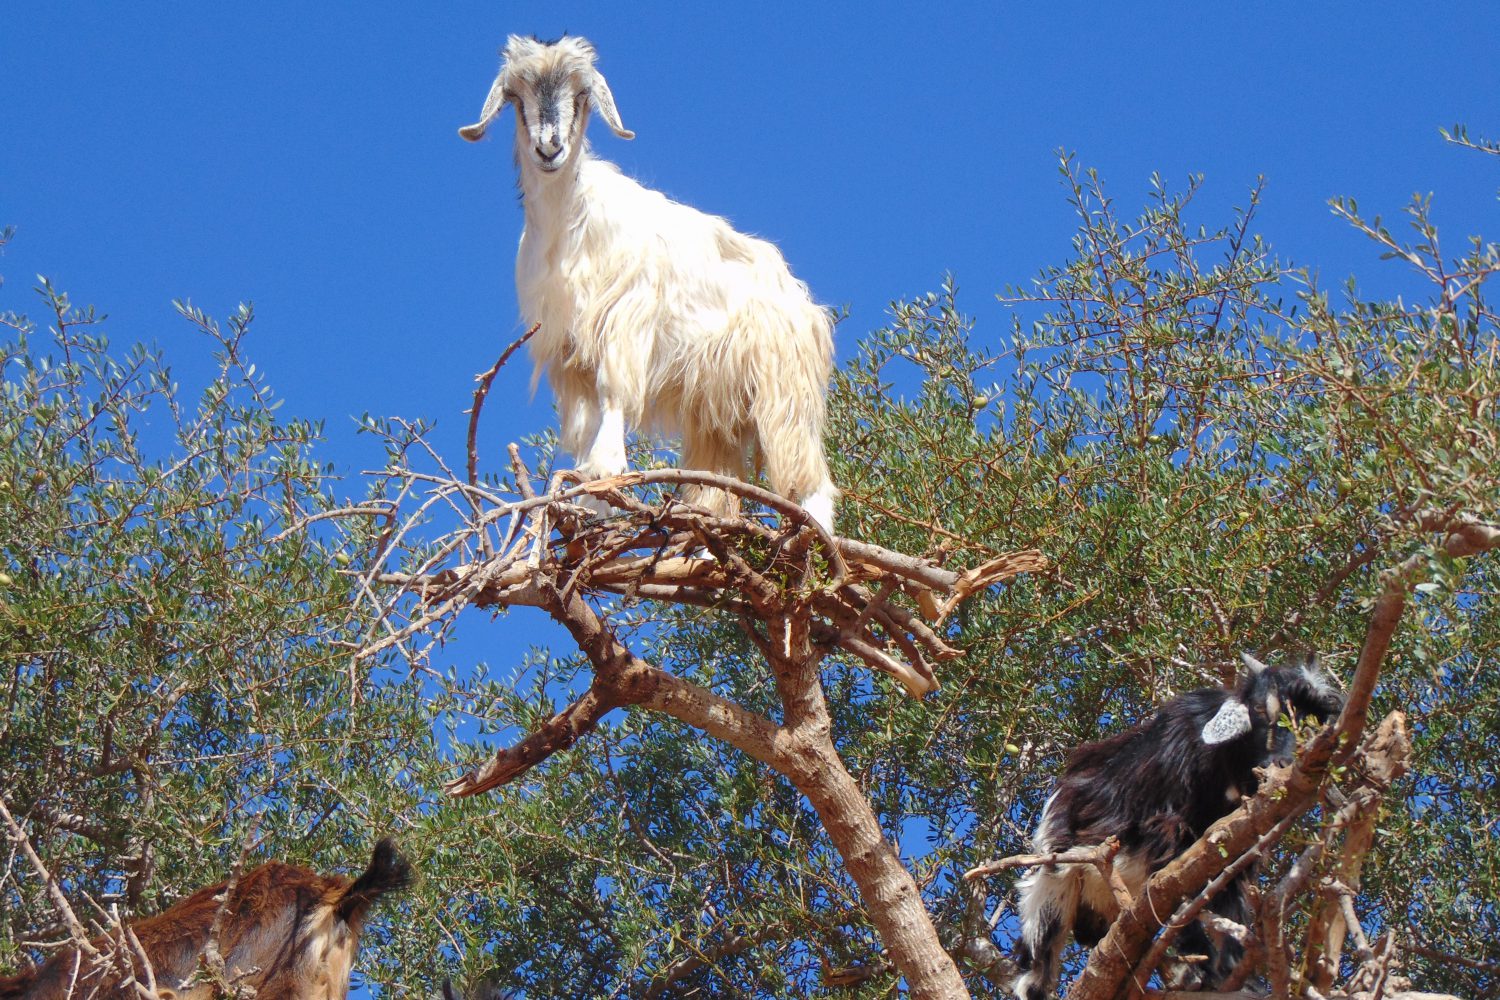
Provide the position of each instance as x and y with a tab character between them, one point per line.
1230	722
1252	664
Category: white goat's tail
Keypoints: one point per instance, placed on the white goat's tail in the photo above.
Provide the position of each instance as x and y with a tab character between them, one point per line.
788	410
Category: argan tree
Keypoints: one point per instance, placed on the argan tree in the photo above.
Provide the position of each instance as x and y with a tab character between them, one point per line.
174	682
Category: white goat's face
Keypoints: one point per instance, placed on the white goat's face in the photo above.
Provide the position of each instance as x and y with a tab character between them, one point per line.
553	86
552	111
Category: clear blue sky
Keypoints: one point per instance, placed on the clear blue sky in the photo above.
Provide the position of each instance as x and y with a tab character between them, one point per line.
304	156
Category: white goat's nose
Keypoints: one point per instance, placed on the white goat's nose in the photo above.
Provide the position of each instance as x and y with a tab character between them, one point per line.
548	151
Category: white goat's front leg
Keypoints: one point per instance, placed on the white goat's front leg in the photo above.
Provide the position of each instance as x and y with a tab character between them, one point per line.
605	455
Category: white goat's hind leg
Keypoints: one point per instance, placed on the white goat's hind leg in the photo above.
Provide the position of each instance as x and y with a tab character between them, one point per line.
703	450
791	444
605	456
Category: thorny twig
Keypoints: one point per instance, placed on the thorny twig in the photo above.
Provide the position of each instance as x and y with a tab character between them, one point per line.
481	392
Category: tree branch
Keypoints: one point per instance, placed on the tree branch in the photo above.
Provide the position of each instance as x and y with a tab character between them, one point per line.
620	678
811	593
1101	856
76	930
481	392
647	553
555	735
690	965
1383	761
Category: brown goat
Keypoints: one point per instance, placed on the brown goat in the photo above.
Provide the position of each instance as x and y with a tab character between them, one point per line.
287	932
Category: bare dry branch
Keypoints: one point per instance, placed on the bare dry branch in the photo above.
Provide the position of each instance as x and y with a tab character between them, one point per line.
646	553
803	592
481	392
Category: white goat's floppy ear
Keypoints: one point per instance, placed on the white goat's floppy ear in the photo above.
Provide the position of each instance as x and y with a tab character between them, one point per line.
604	103
494	103
1255	666
1230	723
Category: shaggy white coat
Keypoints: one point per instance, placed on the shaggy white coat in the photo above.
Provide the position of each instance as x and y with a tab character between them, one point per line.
652	314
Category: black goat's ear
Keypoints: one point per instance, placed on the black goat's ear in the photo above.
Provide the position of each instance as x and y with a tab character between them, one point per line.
1230	722
1252	664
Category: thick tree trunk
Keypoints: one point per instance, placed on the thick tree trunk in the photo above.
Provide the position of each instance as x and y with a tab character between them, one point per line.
813	764
891	898
801	749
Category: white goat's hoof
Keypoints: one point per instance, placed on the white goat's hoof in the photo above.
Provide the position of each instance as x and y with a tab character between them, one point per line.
819	507
598	508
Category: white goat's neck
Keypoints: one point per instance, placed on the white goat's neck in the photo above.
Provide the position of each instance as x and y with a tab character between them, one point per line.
550	199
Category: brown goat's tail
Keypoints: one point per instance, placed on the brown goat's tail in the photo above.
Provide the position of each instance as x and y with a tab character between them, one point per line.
15	987
388	872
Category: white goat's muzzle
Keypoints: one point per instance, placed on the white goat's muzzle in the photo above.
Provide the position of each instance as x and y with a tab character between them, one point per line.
548	153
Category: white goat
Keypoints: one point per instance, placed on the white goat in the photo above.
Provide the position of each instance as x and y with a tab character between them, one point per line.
653	314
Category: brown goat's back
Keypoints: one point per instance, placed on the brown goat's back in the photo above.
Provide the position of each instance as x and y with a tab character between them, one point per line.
287	931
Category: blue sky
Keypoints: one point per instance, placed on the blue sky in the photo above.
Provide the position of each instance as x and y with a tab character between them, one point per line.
303	157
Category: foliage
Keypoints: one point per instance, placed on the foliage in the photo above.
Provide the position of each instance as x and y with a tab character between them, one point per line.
175	674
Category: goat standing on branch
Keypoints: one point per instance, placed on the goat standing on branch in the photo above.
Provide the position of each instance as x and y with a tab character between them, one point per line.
284	931
651	313
1158	787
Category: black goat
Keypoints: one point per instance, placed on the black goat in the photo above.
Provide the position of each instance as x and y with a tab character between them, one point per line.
1158	787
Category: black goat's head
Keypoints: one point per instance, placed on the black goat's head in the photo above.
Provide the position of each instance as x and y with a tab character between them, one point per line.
1260	700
